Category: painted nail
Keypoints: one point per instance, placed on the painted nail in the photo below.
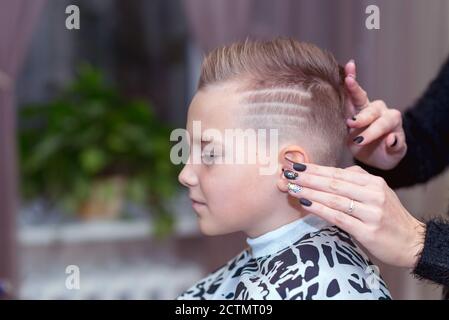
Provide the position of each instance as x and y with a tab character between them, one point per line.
294	187
290	174
299	167
358	140
305	202
395	142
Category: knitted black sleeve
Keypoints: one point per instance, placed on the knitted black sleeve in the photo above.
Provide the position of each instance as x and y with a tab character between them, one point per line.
433	263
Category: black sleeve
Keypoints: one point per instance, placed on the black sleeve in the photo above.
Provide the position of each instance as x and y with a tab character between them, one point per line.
433	263
426	127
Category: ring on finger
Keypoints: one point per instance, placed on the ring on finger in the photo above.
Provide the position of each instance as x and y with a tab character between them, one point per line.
351	207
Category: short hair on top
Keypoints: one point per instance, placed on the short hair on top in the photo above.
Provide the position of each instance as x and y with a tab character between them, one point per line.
292	86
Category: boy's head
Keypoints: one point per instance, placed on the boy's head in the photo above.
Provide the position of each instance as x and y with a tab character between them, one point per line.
295	88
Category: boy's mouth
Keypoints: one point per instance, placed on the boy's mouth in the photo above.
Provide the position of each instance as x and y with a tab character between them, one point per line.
196	202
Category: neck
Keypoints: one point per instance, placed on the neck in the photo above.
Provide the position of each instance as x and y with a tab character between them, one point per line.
285	213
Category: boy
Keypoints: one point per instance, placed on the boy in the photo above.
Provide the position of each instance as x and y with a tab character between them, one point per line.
296	89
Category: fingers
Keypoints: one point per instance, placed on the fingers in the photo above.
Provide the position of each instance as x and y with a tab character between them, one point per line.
357	95
391	140
334	186
381	125
350	69
342	220
355	176
367	115
356	169
336	202
395	142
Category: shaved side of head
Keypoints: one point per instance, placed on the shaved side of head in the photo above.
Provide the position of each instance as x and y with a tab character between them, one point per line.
287	85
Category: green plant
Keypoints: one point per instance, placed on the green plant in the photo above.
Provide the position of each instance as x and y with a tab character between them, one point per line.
89	132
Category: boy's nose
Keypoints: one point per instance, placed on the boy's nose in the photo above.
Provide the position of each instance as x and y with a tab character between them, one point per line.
187	176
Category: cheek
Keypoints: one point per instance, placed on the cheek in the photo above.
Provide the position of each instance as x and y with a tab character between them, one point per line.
237	194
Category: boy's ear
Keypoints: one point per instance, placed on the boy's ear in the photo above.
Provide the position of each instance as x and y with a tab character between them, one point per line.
287	156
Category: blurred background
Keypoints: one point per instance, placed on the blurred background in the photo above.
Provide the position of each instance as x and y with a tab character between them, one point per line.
86	115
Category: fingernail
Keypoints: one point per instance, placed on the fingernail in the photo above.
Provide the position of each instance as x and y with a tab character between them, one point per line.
358	140
294	187
351	61
290	174
395	142
305	202
299	167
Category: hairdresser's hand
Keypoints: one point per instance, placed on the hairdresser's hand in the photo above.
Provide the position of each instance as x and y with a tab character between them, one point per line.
378	220
376	135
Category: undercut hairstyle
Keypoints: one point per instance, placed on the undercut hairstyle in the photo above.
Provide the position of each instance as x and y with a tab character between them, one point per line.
288	85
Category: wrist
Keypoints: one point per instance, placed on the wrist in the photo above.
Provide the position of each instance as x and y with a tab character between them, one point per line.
417	243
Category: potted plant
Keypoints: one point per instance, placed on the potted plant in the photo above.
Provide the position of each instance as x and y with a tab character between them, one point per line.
90	148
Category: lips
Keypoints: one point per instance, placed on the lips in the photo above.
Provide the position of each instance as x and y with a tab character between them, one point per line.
197	202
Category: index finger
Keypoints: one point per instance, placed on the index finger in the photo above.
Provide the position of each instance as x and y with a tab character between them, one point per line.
358	178
357	95
350	69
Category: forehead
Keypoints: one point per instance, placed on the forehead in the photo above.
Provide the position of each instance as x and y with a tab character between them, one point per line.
217	107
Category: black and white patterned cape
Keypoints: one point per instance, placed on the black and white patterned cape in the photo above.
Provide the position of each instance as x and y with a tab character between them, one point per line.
306	259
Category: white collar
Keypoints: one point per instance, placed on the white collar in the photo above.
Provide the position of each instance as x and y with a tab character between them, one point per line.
284	236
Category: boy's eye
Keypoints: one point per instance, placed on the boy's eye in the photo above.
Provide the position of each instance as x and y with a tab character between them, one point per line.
209	156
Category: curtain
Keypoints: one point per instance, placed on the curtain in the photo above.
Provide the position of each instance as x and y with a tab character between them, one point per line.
17	20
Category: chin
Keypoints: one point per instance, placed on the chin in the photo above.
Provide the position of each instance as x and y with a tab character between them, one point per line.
210	230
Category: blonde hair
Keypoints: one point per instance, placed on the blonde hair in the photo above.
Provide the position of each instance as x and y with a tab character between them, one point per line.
292	86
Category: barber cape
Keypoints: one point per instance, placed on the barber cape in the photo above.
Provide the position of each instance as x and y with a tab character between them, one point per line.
305	259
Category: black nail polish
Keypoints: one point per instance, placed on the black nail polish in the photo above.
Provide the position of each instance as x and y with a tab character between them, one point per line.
299	167
290	174
358	140
395	142
354	118
305	202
